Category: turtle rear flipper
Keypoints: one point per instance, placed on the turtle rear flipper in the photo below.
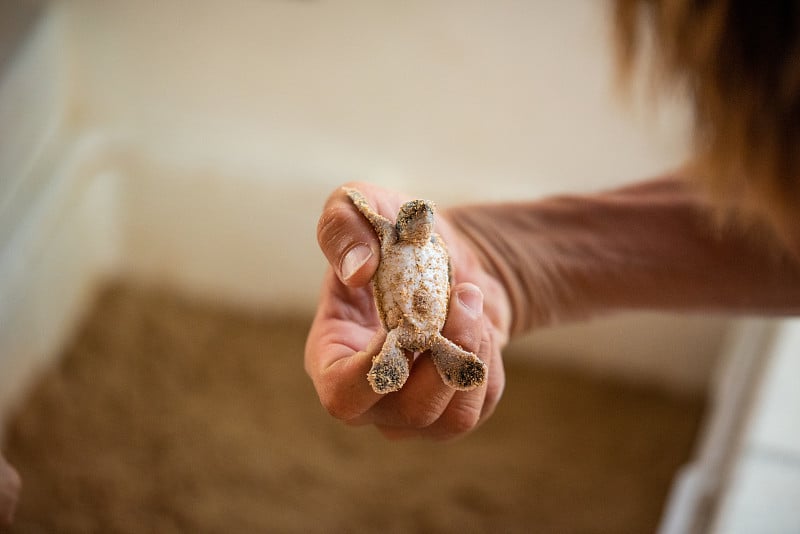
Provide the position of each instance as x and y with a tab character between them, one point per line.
389	367
459	369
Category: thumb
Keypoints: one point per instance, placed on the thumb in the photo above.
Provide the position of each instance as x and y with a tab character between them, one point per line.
348	241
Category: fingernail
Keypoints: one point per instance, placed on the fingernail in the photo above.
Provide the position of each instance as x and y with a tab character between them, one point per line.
472	299
354	259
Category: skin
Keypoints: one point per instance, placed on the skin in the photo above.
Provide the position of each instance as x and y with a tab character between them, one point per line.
652	246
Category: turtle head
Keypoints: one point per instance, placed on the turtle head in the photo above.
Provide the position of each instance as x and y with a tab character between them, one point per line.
415	221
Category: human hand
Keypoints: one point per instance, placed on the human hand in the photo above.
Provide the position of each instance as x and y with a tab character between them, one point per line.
10	485
346	332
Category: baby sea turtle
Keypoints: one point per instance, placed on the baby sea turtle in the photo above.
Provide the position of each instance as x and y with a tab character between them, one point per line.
412	289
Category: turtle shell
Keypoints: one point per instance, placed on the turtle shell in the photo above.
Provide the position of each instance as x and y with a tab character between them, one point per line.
412	288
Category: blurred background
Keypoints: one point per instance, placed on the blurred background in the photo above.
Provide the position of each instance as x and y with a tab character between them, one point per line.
162	168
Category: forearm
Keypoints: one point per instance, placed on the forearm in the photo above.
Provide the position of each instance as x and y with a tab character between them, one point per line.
652	246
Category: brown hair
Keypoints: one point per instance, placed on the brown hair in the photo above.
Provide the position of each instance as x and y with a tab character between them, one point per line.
739	61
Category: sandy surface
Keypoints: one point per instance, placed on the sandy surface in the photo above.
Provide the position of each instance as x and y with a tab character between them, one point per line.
166	415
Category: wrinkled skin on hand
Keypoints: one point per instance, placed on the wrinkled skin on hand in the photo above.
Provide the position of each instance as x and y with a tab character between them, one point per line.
346	333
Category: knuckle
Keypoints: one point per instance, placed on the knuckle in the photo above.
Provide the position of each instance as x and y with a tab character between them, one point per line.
338	409
421	418
337	405
427	410
461	420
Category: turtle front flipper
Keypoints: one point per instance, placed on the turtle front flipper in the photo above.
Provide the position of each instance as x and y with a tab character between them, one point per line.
389	367
383	226
459	369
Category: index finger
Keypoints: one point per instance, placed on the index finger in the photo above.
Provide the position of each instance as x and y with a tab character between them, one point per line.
334	359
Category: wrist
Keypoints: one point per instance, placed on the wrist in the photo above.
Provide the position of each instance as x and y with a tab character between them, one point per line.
546	263
480	228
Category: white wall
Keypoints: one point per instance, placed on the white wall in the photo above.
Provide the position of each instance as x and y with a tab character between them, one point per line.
495	98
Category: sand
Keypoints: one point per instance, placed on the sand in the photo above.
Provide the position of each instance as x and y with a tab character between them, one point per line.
171	415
